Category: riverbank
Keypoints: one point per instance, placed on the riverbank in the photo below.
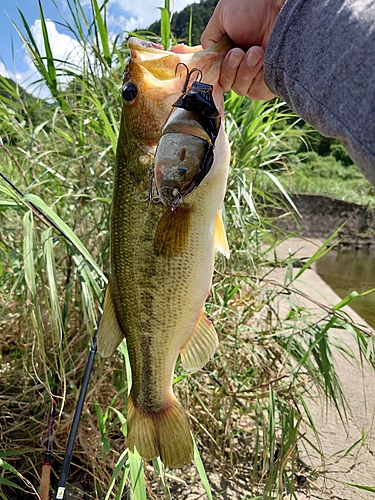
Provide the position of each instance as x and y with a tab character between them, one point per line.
342	464
320	216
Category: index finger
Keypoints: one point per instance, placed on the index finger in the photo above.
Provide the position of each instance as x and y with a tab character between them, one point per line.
213	33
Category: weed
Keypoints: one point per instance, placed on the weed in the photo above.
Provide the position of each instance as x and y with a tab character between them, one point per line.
247	405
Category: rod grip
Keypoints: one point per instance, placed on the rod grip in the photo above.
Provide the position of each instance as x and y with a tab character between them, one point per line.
45	482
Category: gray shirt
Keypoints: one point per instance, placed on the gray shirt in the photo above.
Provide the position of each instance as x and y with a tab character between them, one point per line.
320	60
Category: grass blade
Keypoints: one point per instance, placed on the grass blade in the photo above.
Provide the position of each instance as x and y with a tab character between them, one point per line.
51	70
103	32
360	487
65	230
121	465
165	25
201	471
137	476
49	256
322	250
190	31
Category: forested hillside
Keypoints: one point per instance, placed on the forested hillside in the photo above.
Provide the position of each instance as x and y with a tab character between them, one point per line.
24	105
200	13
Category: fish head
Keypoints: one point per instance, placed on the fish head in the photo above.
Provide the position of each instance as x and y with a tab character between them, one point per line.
152	83
148	90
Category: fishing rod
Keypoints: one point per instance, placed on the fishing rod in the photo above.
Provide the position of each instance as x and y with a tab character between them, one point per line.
46	471
45	479
61	486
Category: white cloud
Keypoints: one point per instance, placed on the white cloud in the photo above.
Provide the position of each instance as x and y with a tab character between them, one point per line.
5	72
141	13
135	14
67	54
63	47
26	79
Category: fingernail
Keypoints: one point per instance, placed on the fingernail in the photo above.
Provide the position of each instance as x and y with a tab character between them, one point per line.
234	60
252	58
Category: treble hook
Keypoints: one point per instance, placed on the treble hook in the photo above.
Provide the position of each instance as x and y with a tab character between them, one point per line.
150	196
188	75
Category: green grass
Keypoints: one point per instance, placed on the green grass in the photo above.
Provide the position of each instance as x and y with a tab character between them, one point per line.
321	166
245	406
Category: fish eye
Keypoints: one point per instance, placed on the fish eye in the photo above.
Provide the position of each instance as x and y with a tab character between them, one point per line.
129	92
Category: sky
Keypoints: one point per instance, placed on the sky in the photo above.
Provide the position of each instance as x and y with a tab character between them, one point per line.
123	15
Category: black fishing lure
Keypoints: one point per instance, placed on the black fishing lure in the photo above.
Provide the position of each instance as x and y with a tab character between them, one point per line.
198	98
184	154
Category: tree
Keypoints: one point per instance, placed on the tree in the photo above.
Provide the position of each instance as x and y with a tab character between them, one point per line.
201	13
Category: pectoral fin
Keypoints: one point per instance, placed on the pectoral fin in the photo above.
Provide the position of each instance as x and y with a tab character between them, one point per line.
110	334
221	242
172	231
201	346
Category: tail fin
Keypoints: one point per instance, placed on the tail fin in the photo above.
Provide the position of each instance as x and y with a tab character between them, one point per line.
165	433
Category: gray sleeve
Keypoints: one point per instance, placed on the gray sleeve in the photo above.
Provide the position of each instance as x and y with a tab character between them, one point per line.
320	60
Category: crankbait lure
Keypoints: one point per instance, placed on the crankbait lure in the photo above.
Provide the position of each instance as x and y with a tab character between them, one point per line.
185	152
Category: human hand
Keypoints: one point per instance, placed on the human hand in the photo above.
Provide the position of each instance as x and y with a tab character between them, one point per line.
249	24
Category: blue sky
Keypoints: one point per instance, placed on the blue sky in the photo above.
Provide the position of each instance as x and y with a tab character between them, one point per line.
15	63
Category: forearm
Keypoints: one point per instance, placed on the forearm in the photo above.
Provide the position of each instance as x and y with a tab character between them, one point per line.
320	59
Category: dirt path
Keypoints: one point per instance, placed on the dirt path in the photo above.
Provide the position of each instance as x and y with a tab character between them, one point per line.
358	466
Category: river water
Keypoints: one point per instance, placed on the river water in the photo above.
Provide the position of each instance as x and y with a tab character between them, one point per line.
348	270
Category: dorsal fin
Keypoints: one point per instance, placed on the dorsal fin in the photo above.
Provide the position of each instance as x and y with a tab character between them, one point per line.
110	334
201	345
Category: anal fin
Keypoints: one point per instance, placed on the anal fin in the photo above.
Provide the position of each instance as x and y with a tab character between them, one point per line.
201	345
221	242
110	334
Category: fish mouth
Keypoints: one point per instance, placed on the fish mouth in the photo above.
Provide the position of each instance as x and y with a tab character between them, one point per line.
154	80
154	61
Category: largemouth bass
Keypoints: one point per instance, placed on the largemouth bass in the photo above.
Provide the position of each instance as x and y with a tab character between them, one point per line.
161	259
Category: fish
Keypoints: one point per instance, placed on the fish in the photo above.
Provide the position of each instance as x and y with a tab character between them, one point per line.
162	260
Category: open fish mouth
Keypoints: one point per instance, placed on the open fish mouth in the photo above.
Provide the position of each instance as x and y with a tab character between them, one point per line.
151	84
161	64
153	61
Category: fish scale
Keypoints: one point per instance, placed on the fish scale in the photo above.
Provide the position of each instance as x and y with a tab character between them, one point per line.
161	259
